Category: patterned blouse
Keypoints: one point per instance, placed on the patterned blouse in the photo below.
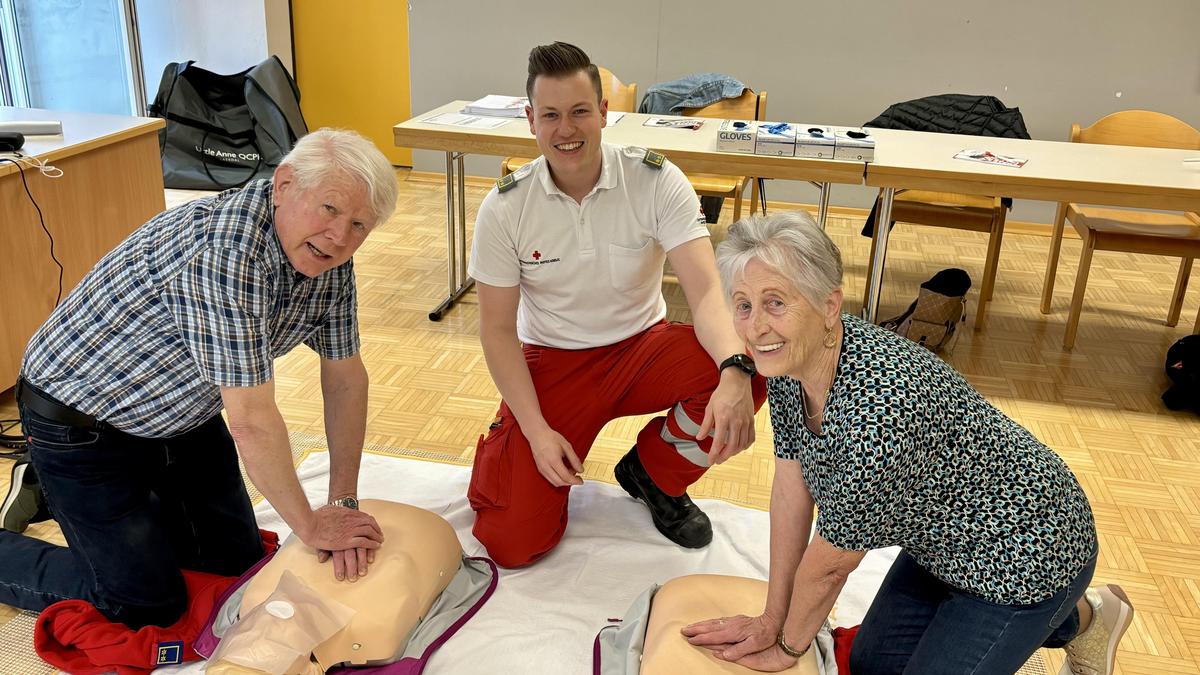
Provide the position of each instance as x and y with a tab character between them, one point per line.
911	455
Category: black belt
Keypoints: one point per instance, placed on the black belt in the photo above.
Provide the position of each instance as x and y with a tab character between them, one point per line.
46	406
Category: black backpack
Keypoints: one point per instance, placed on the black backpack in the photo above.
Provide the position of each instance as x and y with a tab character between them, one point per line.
1183	369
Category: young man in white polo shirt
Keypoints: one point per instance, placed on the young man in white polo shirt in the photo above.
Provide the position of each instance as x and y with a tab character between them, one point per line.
568	255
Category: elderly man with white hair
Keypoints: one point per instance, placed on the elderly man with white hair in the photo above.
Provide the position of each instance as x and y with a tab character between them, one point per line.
121	391
891	447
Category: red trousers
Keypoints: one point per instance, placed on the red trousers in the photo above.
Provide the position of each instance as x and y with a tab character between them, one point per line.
519	516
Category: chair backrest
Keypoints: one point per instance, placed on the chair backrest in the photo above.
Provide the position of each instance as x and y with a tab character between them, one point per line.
1143	128
748	106
621	97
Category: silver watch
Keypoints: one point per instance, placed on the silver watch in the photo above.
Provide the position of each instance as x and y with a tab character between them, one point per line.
347	501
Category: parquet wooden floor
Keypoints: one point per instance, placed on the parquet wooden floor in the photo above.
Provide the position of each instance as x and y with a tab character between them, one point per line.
1097	405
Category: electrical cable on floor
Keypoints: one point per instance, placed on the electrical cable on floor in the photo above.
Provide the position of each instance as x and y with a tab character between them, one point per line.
15	443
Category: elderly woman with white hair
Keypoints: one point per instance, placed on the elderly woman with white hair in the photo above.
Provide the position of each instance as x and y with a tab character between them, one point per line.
891	447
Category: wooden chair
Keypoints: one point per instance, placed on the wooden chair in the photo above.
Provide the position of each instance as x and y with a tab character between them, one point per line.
976	213
1113	229
748	106
621	98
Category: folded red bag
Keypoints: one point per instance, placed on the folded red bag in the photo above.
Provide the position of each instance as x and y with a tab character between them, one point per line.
74	636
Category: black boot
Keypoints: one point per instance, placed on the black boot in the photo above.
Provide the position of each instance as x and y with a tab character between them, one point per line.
24	503
678	518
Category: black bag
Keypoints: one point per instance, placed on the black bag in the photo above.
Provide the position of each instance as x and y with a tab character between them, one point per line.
932	319
225	130
1183	369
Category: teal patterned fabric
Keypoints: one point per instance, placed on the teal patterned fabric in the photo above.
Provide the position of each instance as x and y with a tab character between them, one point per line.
911	455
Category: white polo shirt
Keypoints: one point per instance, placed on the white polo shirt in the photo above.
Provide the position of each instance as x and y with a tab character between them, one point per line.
590	273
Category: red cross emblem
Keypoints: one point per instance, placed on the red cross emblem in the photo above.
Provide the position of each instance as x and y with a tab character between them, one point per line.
537	255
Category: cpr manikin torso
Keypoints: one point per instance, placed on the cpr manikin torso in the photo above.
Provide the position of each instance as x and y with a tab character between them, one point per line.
419	557
689	599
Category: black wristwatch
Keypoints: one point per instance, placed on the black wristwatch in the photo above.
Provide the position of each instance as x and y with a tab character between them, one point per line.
744	363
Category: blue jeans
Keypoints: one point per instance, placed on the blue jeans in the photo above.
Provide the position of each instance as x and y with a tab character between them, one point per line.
134	511
920	625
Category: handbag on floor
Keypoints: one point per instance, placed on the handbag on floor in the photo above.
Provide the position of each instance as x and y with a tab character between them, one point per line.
1183	369
932	319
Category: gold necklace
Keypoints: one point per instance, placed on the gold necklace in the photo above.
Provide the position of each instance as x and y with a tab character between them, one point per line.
804	395
804	402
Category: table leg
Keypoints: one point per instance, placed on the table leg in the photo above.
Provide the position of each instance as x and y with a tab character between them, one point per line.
883	221
823	206
462	221
451	231
822	202
458	283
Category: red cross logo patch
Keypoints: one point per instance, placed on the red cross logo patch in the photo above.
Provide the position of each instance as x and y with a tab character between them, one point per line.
537	255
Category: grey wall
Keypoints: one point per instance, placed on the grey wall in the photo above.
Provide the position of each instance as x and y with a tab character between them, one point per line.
1060	61
224	36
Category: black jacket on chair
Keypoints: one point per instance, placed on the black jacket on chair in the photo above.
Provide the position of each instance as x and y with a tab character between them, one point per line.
954	114
951	114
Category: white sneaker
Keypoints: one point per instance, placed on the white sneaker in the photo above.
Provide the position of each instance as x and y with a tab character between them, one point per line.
1094	651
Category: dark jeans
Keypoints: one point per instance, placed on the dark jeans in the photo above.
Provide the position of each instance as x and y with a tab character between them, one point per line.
134	511
919	624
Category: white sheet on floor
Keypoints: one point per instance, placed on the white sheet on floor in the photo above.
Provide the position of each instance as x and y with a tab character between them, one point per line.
544	618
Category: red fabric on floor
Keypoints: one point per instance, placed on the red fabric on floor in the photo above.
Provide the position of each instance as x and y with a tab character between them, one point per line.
843	639
74	636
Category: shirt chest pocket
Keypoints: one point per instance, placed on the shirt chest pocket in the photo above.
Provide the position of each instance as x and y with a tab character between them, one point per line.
633	268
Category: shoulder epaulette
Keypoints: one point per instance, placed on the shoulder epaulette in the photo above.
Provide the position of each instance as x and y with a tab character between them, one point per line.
506	183
654	159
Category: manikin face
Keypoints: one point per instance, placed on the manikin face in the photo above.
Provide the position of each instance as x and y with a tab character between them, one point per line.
782	330
320	227
566	118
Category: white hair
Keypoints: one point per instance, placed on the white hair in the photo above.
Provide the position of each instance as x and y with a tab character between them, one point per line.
325	153
788	241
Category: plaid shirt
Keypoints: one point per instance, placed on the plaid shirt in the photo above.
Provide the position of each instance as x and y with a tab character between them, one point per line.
200	297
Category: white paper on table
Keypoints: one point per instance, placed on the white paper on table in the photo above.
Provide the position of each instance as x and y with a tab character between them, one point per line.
614	117
674	123
988	157
468	121
496	105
